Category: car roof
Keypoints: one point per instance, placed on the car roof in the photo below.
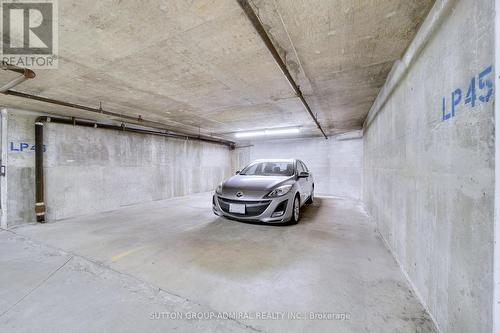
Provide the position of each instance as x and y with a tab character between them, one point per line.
275	160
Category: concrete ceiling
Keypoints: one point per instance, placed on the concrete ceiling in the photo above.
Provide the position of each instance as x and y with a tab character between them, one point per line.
199	66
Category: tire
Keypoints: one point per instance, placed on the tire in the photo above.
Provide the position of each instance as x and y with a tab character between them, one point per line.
310	200
295	210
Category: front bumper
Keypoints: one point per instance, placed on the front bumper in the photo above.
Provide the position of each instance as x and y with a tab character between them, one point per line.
256	210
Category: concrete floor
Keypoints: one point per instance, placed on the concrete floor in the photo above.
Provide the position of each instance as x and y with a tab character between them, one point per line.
112	271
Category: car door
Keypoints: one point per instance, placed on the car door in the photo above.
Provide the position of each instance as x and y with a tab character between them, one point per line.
310	179
303	186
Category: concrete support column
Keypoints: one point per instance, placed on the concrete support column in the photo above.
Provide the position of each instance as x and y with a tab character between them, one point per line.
3	162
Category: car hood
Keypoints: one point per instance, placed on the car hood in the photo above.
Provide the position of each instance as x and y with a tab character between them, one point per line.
252	187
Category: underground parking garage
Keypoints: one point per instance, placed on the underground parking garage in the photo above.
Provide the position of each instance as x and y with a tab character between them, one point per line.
234	165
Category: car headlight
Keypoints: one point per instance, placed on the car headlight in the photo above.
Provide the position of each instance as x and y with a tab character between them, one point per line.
219	189
279	191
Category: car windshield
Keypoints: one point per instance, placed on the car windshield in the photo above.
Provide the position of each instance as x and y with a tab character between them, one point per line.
269	169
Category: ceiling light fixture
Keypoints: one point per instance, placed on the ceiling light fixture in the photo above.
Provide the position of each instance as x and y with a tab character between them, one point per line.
267	132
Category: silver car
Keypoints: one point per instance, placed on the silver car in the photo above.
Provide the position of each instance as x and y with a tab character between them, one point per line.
269	191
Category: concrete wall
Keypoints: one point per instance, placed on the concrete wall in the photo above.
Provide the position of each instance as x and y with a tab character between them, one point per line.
94	170
429	183
336	164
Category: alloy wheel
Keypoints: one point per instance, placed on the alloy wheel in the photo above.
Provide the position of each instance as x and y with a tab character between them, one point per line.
296	209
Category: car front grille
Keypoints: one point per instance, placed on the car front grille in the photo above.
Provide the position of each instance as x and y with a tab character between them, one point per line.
252	208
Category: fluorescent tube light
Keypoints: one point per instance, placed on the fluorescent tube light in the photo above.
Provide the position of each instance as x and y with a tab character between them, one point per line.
267	132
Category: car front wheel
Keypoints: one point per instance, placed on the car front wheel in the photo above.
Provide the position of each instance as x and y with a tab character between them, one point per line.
296	211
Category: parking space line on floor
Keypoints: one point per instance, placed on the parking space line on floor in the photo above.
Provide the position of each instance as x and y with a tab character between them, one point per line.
126	253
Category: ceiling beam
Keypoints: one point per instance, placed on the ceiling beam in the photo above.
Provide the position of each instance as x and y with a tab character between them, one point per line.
249	12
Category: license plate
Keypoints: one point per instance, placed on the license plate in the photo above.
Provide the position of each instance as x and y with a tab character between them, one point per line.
238	209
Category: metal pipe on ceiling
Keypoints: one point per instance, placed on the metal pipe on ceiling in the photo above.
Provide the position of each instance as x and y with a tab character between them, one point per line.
249	12
25	75
29	74
8	67
140	121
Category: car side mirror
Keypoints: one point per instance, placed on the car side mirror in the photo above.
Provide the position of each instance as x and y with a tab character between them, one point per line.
304	174
238	172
